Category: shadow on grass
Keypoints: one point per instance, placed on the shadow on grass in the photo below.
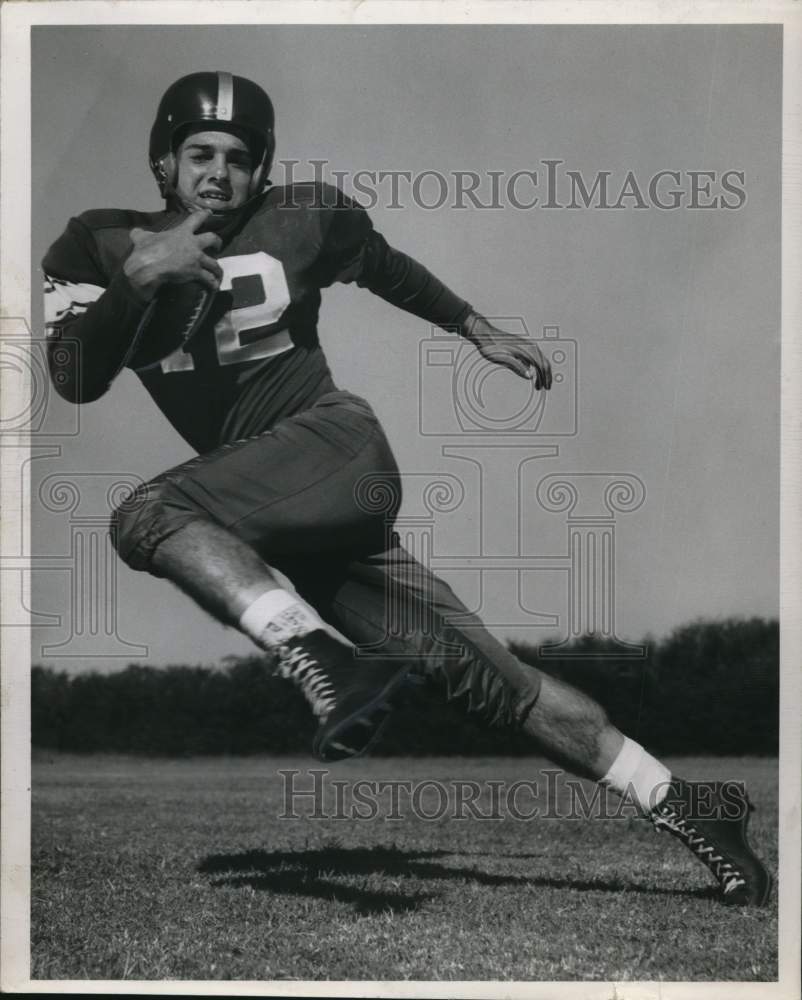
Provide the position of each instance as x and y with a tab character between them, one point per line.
310	873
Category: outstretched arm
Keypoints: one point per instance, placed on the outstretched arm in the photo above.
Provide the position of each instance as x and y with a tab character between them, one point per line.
400	279
519	354
354	251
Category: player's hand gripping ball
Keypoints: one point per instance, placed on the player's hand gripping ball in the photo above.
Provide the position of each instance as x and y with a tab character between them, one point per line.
173	268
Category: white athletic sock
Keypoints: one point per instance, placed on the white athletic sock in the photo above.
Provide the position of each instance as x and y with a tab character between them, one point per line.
636	774
277	616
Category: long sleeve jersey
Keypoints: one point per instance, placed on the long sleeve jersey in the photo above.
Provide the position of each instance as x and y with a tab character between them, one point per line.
257	357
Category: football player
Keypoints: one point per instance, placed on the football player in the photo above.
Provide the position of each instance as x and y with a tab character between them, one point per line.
214	303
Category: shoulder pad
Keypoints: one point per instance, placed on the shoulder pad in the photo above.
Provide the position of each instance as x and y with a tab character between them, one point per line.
94	244
117	218
307	194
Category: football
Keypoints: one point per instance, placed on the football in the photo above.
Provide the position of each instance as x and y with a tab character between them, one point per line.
171	320
173	317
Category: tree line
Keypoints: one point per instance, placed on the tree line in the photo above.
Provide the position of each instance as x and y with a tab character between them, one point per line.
709	687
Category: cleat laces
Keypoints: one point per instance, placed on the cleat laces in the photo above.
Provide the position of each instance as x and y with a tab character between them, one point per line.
305	671
729	877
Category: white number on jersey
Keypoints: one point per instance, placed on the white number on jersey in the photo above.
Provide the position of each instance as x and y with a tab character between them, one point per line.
257	280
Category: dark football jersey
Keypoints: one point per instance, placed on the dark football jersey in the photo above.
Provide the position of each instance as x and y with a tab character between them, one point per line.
257	357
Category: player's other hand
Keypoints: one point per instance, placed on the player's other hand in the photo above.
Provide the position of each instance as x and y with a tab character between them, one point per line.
178	255
519	354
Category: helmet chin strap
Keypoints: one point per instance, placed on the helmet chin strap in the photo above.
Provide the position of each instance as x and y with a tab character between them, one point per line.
217	213
220	218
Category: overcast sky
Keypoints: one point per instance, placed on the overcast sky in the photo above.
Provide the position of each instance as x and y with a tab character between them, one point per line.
675	313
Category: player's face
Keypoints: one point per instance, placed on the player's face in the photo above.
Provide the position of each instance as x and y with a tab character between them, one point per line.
214	170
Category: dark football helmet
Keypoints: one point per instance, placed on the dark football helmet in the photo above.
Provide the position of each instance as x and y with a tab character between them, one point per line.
211	97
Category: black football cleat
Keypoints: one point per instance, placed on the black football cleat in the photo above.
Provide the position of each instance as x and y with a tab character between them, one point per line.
710	818
352	700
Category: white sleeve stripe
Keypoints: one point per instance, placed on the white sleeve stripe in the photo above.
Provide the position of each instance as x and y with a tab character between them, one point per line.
64	299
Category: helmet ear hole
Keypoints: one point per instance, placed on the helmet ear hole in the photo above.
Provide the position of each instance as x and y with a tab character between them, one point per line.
166	169
171	168
260	174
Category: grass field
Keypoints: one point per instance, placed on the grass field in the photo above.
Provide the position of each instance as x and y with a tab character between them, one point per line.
185	869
